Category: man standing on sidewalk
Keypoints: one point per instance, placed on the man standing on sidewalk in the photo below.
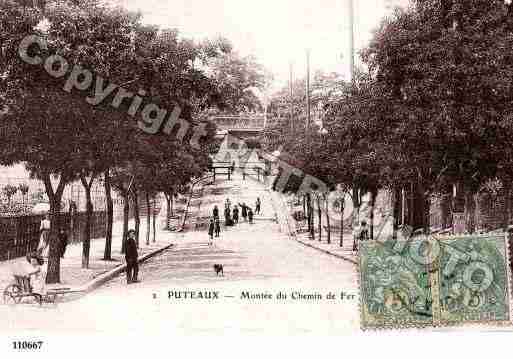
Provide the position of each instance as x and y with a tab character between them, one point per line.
132	266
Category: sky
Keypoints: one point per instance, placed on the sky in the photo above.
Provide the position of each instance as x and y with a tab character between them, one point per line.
277	32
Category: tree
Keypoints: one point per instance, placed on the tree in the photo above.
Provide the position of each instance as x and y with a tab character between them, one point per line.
240	80
440	71
9	191
23	188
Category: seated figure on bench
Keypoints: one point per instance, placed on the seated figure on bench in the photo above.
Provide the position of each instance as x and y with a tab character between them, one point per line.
30	275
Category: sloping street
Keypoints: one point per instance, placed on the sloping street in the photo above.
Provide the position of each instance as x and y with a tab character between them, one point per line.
259	261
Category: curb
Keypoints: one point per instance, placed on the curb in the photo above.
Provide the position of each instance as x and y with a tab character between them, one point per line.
328	252
292	233
98	281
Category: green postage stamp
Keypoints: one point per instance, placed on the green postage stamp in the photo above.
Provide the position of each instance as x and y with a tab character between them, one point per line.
435	281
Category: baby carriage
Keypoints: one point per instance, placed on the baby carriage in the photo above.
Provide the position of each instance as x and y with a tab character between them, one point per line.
22	287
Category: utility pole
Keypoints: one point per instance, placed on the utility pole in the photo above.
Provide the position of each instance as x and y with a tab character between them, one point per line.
351	39
291	99
307	90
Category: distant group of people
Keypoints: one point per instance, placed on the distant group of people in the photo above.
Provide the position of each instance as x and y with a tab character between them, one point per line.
231	216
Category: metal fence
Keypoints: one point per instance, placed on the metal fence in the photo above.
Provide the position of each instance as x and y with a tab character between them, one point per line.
20	235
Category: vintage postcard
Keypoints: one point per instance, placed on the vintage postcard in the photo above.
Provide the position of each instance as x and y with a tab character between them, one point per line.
282	167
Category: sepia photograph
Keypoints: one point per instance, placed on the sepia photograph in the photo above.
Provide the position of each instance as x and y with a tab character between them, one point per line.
234	167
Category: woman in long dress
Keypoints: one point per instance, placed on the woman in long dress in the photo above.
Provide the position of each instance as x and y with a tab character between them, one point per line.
38	280
44	239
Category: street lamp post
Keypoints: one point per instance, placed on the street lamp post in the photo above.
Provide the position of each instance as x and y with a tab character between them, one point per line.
351	39
307	90
291	100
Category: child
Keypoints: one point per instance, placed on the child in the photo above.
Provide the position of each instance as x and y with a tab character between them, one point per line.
235	214
217	228
211	232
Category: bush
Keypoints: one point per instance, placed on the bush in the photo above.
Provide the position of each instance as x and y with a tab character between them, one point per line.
15	209
298	216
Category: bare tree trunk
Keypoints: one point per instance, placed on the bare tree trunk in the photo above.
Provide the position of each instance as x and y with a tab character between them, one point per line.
86	243
356	206
148	218
154	217
507	204
86	240
373	195
168	210
54	256
107	254
342	203
319	215
396	211
137	217
310	216
328	233
126	214
419	215
470	212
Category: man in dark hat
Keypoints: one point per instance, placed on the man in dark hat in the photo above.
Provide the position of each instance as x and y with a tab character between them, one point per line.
131	255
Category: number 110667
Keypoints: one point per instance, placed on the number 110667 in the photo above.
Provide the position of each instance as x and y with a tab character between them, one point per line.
27	345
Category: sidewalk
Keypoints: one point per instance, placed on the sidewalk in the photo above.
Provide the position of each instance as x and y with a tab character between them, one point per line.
334	249
287	224
78	279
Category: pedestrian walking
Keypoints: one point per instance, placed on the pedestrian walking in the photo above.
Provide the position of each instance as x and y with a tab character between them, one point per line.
227	217
235	216
257	206
250	215
227	204
131	256
44	238
215	212
211	228
63	241
244	210
364	231
217	228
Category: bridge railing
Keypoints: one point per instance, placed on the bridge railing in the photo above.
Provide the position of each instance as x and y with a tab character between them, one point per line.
237	122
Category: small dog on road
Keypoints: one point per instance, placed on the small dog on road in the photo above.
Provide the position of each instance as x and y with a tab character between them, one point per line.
218	268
